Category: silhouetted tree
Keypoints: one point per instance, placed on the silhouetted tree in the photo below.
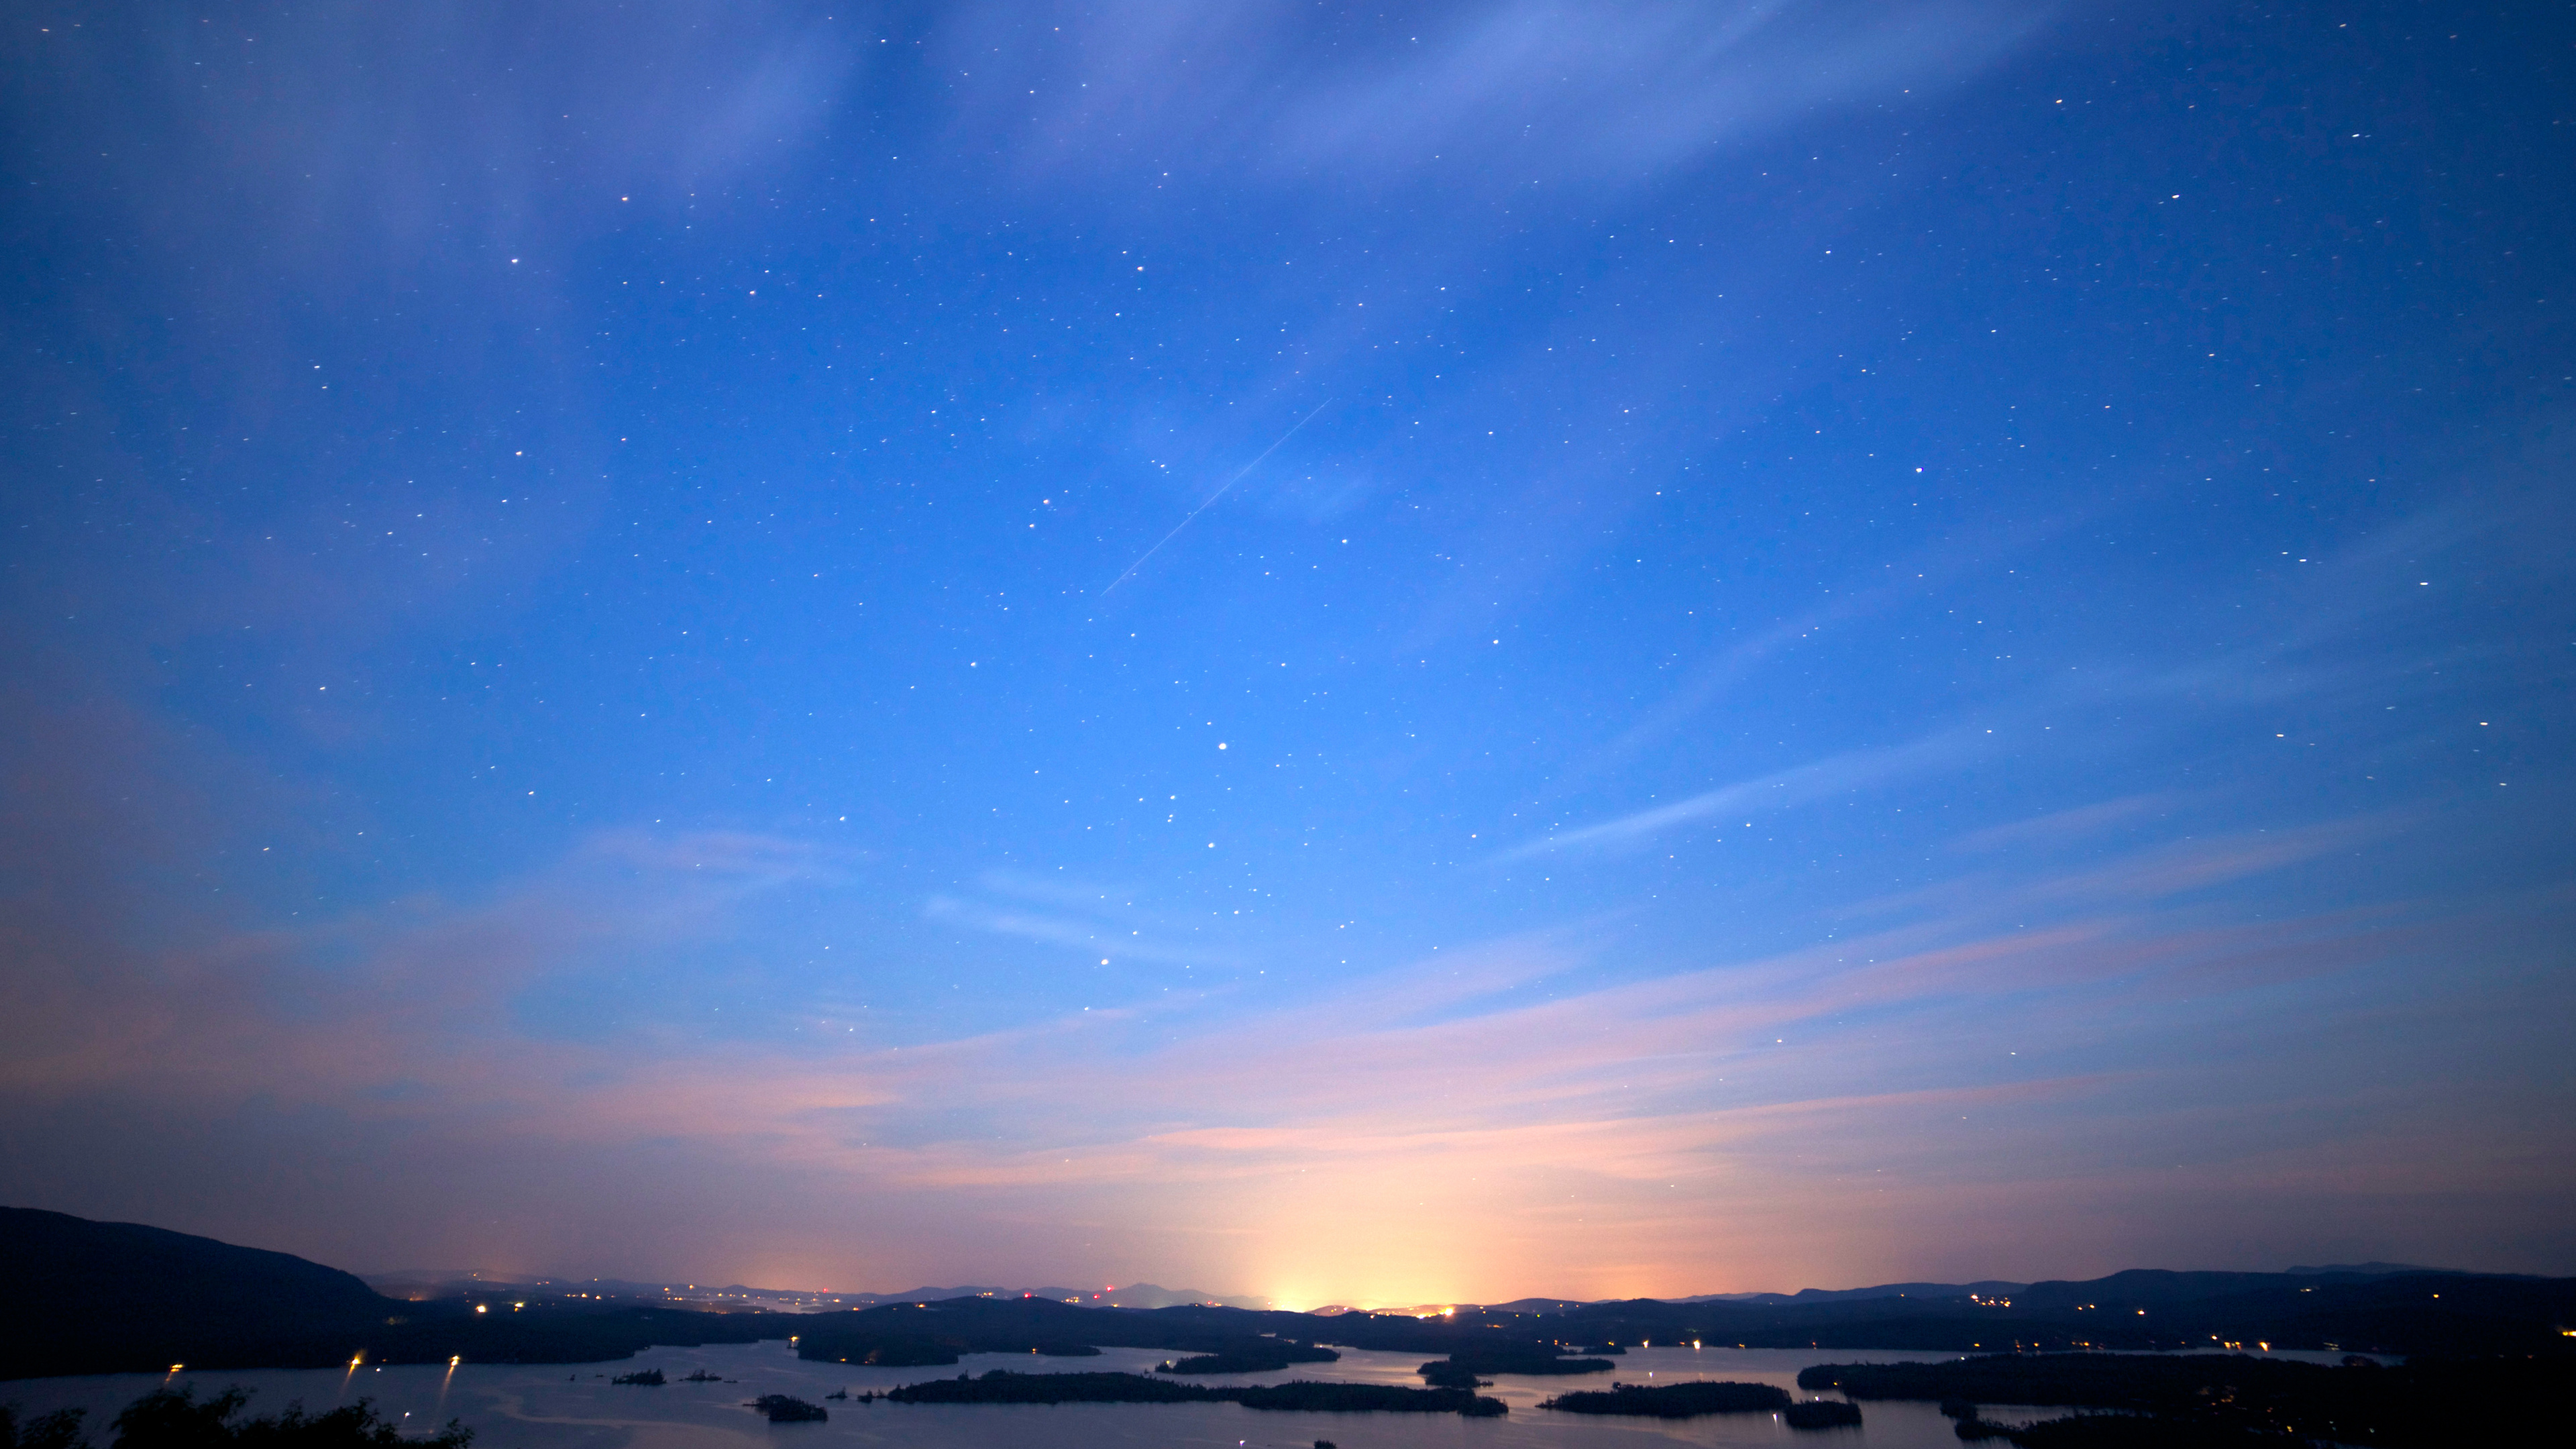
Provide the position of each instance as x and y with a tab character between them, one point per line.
177	1419
58	1430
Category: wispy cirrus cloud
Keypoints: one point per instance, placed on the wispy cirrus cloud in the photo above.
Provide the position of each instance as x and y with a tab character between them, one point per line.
2059	826
1094	920
1597	94
1854	770
530	123
1756	1093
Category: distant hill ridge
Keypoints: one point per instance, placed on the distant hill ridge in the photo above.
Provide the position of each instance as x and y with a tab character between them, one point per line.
417	1283
1986	1288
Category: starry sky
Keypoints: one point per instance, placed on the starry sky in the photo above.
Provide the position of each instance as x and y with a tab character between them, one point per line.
1363	654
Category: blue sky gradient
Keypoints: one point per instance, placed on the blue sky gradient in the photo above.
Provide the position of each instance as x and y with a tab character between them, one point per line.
1363	656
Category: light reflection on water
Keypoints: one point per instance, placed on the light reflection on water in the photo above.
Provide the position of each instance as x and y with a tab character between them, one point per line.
573	1406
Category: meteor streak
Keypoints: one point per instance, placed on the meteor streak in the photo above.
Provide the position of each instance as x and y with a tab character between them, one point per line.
1211	498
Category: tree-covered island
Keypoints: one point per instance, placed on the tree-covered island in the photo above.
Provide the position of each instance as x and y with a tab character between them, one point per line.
1264	1356
1466	1367
1673	1401
1002	1386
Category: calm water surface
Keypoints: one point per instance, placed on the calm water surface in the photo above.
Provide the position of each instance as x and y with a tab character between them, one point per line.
573	1406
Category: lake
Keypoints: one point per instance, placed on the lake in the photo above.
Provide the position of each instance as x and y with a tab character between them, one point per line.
573	1406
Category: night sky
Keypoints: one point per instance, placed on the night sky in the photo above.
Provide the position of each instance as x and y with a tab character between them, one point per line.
1365	654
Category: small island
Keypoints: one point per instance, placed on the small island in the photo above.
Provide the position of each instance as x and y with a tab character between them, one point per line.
643	1378
1673	1401
1821	1414
786	1409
